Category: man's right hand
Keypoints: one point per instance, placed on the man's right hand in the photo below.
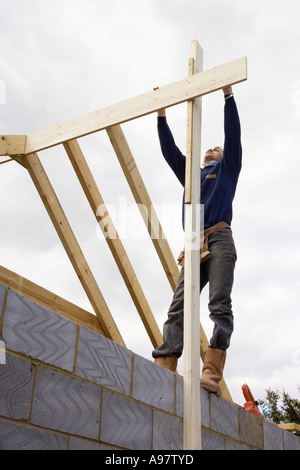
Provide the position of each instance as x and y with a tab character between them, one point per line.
227	90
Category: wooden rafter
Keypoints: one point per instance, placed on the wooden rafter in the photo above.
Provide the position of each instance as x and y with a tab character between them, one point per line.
145	205
73	250
112	238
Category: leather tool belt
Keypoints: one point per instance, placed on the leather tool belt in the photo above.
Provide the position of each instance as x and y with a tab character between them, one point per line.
204	252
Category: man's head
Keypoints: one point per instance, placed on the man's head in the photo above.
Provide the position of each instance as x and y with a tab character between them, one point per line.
214	154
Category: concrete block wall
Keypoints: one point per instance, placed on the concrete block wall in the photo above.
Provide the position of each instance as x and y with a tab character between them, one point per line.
65	387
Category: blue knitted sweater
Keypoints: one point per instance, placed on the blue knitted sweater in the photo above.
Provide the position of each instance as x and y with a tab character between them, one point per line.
218	180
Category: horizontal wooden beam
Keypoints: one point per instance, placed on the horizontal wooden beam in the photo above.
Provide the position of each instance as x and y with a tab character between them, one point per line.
12	145
292	427
48	299
147	103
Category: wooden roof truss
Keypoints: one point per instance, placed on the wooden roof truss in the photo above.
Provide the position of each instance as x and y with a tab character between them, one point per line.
24	149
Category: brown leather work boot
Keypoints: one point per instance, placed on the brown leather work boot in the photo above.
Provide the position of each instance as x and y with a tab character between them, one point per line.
212	372
168	362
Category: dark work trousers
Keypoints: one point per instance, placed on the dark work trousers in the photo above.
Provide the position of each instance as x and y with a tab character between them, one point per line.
218	272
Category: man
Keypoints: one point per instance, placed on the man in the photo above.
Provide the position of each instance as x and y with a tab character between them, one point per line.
219	178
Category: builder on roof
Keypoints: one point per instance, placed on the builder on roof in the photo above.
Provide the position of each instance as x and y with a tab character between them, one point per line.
219	178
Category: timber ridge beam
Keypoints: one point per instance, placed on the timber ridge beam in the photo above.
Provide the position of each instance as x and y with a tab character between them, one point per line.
24	148
169	95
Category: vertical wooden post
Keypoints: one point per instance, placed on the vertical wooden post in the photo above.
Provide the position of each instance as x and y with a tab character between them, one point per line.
191	389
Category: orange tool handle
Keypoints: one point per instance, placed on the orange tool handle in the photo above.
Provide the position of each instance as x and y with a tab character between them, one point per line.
247	394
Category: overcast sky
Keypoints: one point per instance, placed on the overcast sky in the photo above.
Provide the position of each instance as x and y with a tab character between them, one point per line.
63	58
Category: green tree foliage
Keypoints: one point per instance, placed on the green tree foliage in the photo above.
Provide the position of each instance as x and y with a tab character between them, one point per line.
280	407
